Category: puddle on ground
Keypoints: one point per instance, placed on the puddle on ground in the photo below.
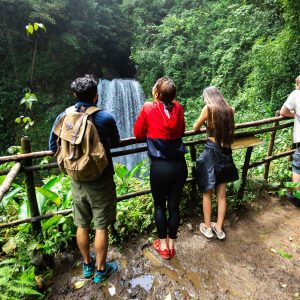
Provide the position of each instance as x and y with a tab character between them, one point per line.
154	261
174	262
173	271
195	279
145	282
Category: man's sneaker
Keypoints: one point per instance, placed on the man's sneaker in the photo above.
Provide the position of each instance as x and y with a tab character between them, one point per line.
110	267
206	231
295	201
88	269
220	234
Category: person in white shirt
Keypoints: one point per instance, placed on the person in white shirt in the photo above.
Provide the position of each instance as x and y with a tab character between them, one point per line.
291	109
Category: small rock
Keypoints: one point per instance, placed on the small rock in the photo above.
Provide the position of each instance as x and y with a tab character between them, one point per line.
273	250
189	226
296	295
290	238
284	285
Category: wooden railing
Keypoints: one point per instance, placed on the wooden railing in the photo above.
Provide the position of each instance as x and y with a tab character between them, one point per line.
23	163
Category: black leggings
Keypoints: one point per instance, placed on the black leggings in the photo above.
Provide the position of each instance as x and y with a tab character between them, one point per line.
167	178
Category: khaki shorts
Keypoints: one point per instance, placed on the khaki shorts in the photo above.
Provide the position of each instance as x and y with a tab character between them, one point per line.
94	200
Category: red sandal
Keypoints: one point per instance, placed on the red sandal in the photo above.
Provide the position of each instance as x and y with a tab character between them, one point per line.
165	254
172	252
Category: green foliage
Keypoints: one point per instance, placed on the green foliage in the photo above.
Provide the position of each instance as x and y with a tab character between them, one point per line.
127	180
16	283
134	216
90	37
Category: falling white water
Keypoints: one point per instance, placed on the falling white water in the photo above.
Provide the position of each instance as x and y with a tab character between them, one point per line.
124	99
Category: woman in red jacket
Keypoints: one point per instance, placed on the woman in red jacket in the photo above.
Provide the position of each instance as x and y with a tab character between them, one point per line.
161	122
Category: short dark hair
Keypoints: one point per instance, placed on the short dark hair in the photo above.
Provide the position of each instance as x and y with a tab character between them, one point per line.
85	88
166	91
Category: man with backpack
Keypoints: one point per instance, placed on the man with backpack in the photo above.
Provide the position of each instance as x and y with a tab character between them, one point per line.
87	160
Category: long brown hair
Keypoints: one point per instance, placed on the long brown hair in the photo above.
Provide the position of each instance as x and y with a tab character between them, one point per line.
220	118
165	90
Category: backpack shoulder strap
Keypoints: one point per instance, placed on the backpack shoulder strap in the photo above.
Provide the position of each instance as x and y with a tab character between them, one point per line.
92	109
70	109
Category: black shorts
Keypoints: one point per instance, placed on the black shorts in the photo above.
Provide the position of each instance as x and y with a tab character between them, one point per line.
214	166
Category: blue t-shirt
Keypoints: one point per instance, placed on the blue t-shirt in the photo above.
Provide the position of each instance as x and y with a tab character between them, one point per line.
106	127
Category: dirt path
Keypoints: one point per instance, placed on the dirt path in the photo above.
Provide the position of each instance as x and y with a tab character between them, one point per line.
247	265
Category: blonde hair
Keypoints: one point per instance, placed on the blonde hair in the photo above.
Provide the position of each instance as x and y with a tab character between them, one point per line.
220	119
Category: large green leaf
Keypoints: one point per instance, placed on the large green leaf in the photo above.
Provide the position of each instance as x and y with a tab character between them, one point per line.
292	184
49	195
24	211
121	172
53	222
52	181
11	195
135	169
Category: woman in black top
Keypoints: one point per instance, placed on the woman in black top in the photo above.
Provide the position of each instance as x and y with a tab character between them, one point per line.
215	165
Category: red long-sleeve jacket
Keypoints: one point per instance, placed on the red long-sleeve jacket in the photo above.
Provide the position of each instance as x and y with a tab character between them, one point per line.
163	129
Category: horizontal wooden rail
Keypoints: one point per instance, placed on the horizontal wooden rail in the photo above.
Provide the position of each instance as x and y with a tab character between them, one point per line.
68	211
133	140
270	158
141	148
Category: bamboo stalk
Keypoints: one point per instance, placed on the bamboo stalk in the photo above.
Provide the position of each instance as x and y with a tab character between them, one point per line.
5	186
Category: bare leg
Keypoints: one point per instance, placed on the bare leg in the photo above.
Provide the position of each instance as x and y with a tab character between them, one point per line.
101	246
207	208
171	243
163	244
296	178
221	196
83	242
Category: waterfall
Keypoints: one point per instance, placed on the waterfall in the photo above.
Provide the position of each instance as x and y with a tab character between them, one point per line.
124	99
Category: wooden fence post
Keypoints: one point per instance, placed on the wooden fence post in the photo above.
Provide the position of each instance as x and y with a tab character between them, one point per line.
245	172
30	186
270	151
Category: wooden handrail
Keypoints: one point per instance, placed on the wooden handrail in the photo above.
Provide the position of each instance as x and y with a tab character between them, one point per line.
133	140
130	141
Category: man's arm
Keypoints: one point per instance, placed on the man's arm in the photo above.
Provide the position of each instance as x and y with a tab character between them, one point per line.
53	137
114	135
285	112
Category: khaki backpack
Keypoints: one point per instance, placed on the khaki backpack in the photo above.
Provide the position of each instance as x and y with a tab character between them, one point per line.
80	154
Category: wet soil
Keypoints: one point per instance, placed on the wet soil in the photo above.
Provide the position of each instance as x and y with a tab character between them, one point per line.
260	259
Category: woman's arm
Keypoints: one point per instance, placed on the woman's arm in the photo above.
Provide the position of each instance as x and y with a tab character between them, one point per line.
202	118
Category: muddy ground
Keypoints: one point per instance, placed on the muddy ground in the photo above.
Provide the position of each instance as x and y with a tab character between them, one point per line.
260	259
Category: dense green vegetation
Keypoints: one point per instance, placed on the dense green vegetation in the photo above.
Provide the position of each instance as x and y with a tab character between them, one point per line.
86	36
247	48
